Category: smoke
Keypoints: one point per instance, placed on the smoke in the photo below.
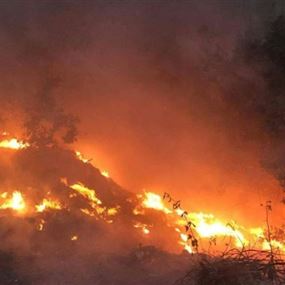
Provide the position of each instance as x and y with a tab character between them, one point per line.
171	96
164	96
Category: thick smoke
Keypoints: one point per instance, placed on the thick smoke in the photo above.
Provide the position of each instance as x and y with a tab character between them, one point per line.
176	96
164	96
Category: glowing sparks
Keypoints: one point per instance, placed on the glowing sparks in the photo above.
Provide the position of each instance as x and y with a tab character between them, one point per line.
16	202
48	204
13	144
74	238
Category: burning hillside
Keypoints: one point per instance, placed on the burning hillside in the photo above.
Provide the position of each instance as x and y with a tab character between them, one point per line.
57	208
140	141
44	183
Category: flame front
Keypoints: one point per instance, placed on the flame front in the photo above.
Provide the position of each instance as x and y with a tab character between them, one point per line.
190	227
207	226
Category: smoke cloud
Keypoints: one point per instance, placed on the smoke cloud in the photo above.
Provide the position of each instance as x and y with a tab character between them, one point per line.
183	97
164	96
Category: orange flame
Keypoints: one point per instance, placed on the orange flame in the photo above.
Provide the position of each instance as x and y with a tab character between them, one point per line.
145	228
16	202
207	226
13	144
48	204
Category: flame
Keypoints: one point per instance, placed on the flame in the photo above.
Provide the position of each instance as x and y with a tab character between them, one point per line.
81	157
203	225
105	173
207	226
48	204
184	241
41	224
154	201
90	194
145	228
13	144
16	202
94	202
113	211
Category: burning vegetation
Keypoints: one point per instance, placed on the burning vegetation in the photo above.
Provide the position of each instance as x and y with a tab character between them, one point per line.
147	218
195	231
196	110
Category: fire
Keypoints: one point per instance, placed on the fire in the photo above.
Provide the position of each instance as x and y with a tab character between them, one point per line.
154	201
191	227
81	157
184	241
16	202
13	144
105	173
113	211
208	226
90	194
48	204
97	208
74	238
41	224
145	228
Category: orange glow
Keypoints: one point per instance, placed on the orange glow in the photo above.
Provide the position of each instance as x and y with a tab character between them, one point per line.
190	226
